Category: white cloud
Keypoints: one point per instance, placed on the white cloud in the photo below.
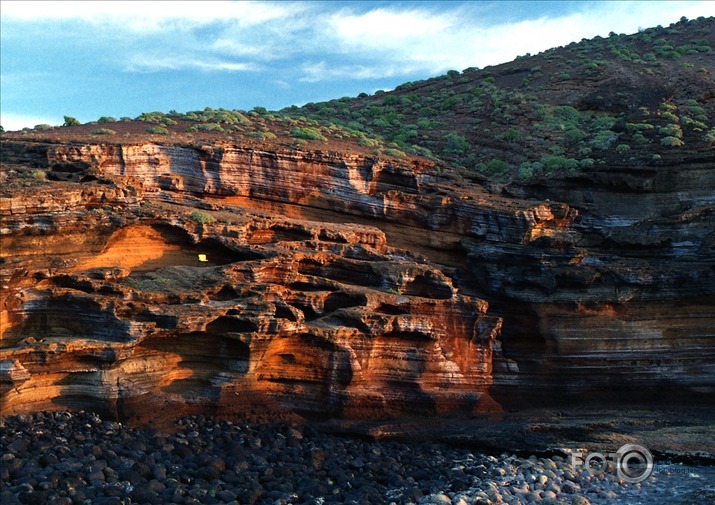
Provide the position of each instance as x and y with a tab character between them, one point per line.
13	122
323	71
404	42
149	16
240	48
389	27
148	64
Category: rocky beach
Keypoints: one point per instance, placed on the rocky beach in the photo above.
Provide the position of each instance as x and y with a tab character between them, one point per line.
78	458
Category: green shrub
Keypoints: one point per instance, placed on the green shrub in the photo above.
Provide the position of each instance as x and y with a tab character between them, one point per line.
103	131
390	151
367	142
42	127
603	139
306	133
638	127
671	130
622	148
426	123
151	117
603	122
567	113
511	135
202	217
422	151
70	121
107	119
157	130
260	135
209	127
560	164
456	144
497	167
639	138
228	117
574	135
404	134
526	171
38	175
355	125
672	142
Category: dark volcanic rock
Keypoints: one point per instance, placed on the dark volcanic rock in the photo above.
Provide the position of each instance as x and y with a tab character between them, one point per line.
352	470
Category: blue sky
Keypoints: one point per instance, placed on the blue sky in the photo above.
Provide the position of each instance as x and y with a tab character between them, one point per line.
89	59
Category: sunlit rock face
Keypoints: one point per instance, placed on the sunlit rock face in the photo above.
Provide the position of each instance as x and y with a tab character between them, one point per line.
339	285
318	327
108	307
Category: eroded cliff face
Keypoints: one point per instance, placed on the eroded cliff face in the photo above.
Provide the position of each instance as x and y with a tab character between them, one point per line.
107	306
342	285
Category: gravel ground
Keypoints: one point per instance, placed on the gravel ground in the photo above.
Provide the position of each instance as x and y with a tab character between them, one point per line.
78	458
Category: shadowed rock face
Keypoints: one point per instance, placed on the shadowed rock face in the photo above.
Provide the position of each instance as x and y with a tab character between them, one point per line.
338	285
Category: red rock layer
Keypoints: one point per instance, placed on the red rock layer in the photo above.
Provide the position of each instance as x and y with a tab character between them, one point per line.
613	289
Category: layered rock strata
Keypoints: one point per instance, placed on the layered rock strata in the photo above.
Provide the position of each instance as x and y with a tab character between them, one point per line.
107	306
310	300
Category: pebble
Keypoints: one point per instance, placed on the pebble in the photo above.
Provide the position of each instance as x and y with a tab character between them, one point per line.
63	458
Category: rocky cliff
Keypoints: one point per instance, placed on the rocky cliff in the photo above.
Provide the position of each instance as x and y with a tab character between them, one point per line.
340	284
107	306
538	231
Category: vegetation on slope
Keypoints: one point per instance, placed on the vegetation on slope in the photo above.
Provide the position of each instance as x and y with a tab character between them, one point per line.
621	99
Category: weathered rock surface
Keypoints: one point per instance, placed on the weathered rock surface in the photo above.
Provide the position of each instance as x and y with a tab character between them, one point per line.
107	306
345	286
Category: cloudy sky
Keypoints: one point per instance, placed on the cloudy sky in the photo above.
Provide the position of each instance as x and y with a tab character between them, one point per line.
89	59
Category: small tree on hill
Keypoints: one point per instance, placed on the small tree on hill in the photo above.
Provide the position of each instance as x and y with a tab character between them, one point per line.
70	121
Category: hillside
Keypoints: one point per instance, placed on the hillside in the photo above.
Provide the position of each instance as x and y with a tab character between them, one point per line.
624	99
